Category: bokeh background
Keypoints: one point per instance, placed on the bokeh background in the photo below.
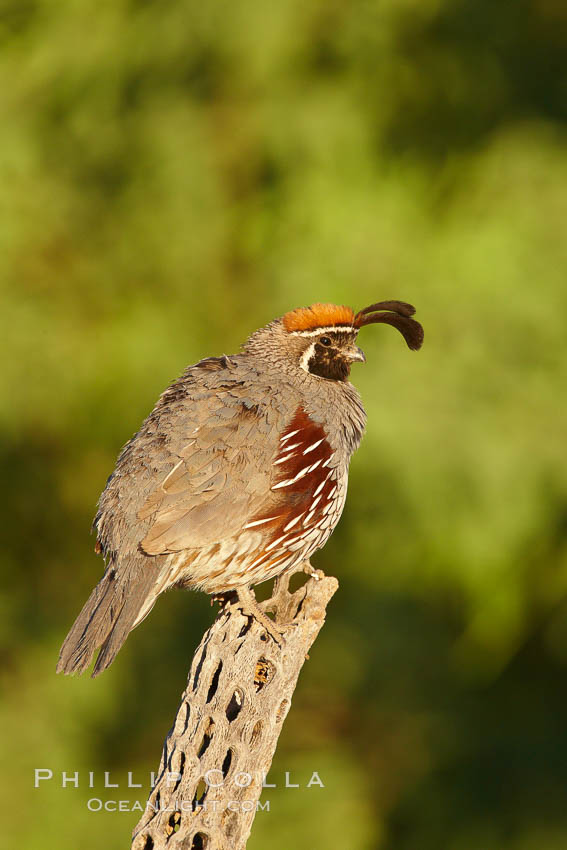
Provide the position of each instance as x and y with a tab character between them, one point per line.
174	175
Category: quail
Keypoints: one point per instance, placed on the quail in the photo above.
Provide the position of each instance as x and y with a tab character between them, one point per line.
238	475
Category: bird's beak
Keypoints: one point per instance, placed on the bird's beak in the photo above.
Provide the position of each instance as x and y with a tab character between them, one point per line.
355	354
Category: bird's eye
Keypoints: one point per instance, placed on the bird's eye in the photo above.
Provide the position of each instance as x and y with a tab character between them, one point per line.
325	340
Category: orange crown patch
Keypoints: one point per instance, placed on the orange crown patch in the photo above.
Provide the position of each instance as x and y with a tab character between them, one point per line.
318	316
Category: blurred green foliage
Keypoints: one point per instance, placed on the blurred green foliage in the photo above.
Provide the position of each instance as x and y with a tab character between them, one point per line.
175	175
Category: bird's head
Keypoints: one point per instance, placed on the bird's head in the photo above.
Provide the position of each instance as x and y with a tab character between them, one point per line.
321	339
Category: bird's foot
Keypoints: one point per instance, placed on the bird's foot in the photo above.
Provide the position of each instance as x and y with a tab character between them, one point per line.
250	608
311	571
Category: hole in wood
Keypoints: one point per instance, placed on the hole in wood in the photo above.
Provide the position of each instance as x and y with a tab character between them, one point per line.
256	733
214	682
200	841
198	669
245	628
149	843
180	764
226	763
235	705
281	710
264	591
183	718
200	793
263	673
207	736
173	823
297	580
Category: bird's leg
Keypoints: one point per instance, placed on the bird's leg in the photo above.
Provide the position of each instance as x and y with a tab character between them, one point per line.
281	584
250	608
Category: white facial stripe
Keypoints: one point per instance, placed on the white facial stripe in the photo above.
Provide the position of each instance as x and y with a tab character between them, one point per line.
306	357
310	351
331	329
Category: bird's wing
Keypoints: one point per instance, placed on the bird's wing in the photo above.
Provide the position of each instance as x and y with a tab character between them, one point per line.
220	474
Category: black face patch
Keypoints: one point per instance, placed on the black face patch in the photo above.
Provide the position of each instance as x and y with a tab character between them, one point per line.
328	359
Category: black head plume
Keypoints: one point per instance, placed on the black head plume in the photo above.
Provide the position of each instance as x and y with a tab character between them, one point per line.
398	315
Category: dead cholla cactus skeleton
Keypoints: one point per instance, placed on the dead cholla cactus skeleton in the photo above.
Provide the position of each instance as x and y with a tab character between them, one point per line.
238	475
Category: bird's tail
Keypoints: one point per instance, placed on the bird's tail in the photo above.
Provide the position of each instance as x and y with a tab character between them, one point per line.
118	603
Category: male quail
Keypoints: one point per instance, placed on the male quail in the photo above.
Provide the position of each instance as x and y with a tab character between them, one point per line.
238	474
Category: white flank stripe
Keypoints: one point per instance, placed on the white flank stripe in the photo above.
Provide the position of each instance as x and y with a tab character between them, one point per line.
260	521
302	473
313	446
314	465
285	483
284	458
256	562
292	522
293	540
287	436
308	518
299	475
321	485
275	543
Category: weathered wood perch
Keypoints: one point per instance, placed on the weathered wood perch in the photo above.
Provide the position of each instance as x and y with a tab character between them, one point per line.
224	737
